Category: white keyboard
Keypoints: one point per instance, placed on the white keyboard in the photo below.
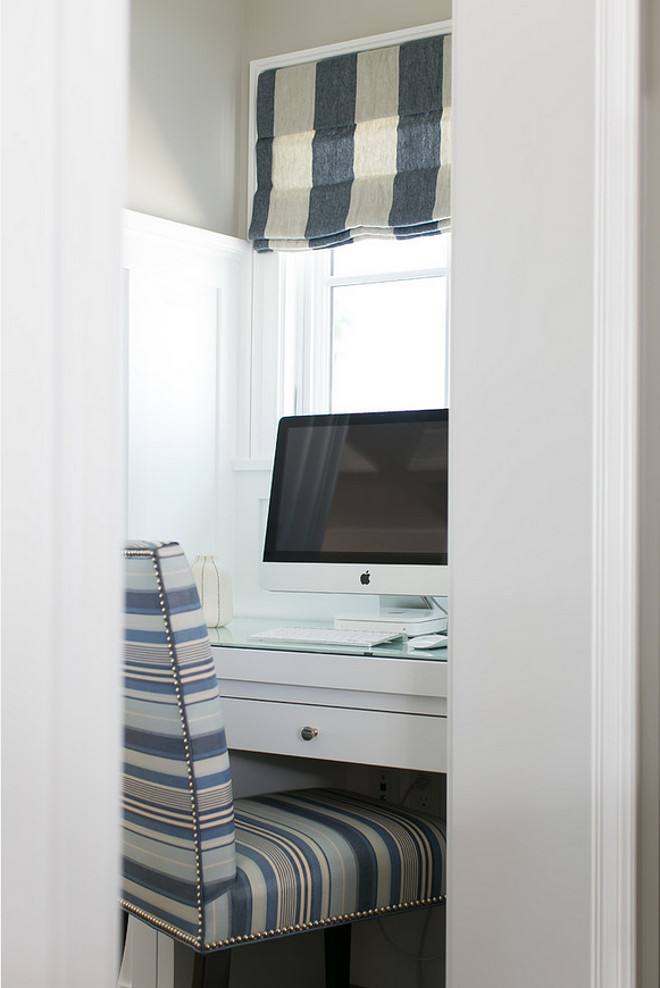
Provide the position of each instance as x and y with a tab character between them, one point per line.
325	636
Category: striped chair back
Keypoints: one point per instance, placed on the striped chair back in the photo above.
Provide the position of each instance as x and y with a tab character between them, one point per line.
178	810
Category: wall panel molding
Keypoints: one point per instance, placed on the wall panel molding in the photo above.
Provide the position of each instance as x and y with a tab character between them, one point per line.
615	508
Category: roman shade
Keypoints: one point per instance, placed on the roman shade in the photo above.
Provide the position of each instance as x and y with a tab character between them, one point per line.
353	146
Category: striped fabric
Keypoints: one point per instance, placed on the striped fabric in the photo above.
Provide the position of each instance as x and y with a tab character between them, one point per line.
354	146
207	871
315	857
178	816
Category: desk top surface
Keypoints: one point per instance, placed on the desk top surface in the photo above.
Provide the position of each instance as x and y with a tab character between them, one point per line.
237	635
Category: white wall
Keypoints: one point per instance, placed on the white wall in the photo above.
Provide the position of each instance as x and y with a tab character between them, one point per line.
187	308
293	25
185	105
528	885
649	870
63	130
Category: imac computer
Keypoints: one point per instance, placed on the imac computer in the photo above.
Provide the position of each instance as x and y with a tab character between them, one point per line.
358	505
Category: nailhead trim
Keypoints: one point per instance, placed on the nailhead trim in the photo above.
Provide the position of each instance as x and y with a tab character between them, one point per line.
161	924
270	934
328	921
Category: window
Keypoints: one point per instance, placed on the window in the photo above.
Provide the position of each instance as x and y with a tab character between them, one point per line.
366	327
360	327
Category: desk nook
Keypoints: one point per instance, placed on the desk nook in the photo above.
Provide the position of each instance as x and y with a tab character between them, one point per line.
214	872
387	707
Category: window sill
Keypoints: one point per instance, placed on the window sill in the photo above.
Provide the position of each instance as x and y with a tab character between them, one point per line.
242	466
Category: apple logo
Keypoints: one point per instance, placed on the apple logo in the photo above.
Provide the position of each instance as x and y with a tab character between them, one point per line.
365	578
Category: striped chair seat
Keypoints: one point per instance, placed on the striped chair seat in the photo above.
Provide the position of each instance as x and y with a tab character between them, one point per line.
213	872
316	856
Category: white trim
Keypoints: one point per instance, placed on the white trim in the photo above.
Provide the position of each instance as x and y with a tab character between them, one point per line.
201	361
615	511
357	44
263	357
182	234
315	382
64	80
381	277
251	466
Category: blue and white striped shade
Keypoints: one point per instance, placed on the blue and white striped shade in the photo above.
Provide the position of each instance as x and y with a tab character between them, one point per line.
354	146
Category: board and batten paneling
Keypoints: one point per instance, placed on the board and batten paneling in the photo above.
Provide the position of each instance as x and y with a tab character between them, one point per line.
186	304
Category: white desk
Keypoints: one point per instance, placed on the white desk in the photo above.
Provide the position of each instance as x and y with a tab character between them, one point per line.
383	707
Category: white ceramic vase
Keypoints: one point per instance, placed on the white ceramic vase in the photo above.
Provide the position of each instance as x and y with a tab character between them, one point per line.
214	587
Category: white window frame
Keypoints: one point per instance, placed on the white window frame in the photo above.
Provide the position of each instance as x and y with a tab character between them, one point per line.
278	386
326	281
307	354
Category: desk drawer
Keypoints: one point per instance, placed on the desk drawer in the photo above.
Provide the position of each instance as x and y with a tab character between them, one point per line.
369	737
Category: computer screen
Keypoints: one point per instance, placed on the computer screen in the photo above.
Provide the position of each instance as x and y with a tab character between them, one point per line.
359	504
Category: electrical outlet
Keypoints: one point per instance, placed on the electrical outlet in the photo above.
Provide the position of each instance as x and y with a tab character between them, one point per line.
424	794
384	784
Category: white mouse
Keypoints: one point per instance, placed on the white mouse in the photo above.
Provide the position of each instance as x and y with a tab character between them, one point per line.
428	641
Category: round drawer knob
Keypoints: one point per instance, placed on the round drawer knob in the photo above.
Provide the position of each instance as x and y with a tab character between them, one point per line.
308	733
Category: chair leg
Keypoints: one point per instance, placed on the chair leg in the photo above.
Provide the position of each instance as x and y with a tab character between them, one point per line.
195	970
123	931
337	942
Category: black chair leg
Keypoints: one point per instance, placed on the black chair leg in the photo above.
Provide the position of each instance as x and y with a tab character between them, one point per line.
337	943
195	970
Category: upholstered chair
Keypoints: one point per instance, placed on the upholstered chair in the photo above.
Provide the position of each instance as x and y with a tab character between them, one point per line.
215	873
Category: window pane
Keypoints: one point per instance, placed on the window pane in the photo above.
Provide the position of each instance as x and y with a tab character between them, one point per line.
389	346
376	256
